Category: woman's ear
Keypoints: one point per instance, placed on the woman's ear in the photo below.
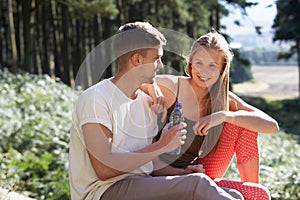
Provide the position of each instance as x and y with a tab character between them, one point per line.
136	59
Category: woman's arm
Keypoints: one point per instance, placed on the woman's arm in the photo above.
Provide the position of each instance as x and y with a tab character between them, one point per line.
241	114
162	92
162	169
247	116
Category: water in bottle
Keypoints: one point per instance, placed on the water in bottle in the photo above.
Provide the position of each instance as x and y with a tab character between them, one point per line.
176	117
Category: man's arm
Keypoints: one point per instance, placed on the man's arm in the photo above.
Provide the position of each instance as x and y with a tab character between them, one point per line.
98	140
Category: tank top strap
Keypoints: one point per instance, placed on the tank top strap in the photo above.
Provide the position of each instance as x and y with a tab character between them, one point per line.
178	88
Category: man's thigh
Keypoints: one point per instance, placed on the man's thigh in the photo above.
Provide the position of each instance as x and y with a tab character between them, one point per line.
193	186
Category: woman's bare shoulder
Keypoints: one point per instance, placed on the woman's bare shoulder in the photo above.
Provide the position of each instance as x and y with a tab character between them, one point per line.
168	81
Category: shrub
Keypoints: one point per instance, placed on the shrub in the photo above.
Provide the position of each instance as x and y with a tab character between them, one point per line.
279	166
35	119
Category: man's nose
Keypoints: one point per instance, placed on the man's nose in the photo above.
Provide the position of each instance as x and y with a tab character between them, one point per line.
160	64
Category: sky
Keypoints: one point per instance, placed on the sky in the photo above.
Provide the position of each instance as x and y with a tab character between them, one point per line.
262	14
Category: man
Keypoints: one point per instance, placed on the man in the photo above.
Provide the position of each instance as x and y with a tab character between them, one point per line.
111	145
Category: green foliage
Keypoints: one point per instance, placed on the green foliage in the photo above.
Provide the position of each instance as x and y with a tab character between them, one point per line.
278	166
35	119
280	152
287	26
88	9
240	70
286	112
287	20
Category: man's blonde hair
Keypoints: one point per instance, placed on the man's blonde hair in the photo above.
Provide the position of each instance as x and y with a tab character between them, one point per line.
136	36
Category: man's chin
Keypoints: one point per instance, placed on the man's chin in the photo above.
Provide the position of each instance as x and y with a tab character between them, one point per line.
150	81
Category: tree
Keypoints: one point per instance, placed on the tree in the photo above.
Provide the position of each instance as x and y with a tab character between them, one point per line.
54	36
287	28
240	69
12	35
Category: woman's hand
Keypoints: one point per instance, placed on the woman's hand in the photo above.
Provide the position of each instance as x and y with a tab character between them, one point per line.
205	123
194	169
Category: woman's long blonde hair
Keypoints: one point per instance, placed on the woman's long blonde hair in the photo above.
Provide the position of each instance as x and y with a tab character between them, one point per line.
217	97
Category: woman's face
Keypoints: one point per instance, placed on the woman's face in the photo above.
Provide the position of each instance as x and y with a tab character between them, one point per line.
206	66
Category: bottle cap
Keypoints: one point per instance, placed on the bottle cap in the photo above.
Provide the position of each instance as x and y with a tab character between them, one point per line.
177	104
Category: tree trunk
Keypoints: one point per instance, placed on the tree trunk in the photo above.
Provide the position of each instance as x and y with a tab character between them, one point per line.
217	18
12	37
121	16
96	28
55	38
2	35
298	54
19	33
76	48
106	26
65	45
45	36
35	32
26	14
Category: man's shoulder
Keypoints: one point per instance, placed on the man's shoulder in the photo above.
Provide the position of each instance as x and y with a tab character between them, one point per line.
101	88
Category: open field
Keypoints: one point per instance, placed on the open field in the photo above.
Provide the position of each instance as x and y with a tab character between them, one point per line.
272	82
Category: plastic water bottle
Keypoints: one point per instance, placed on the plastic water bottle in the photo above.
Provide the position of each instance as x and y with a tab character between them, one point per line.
176	117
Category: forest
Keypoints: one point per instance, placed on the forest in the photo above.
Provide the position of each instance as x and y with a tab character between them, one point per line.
54	37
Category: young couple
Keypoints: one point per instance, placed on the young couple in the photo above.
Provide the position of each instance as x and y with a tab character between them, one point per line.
115	151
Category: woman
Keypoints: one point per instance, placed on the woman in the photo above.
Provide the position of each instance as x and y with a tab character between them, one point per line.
219	123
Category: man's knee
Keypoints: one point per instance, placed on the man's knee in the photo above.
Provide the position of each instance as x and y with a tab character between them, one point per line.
203	186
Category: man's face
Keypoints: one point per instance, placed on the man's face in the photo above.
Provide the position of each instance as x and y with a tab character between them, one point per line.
151	63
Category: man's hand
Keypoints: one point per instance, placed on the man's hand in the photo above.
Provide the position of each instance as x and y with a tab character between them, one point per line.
173	137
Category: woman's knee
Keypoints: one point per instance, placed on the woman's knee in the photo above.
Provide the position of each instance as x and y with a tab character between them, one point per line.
205	187
264	193
234	193
200	178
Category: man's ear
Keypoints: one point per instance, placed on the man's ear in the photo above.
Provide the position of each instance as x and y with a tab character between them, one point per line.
136	59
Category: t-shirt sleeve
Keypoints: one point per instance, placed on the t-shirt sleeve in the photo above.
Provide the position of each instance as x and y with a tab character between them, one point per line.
92	107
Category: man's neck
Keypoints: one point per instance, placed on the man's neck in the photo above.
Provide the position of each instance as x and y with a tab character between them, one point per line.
126	84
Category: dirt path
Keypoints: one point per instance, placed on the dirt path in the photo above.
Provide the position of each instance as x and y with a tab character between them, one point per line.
271	82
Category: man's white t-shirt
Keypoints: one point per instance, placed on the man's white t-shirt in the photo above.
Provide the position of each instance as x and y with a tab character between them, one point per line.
132	123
